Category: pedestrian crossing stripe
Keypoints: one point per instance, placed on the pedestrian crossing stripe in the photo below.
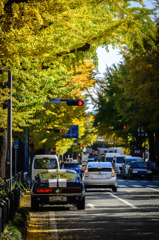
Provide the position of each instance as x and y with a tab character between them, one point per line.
122	186
138	186
152	186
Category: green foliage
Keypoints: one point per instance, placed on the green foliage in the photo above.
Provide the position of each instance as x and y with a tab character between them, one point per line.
13	231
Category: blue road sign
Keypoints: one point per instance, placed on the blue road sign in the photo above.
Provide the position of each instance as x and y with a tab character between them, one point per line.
72	132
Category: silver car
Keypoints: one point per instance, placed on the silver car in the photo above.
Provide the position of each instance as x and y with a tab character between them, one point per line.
100	175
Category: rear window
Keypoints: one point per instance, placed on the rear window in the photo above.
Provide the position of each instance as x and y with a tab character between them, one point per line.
46	176
129	161
45	164
109	159
71	165
99	169
91	160
120	159
139	165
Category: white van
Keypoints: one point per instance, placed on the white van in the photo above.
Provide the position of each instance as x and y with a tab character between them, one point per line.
108	157
42	163
118	161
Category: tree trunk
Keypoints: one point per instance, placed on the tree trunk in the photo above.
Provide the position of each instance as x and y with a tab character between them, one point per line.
3	152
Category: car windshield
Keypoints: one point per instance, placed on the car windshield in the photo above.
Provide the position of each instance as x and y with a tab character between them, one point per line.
120	159
45	164
109	159
72	165
57	175
139	165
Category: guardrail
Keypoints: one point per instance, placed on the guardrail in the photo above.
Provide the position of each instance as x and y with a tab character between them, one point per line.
11	202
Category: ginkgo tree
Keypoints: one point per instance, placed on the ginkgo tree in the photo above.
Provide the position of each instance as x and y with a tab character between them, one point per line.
42	40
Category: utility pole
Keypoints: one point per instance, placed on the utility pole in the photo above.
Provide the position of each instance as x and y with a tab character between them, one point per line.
9	137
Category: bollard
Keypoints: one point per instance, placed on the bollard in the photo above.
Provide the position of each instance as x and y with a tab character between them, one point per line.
8	208
12	209
15	199
0	221
18	194
4	213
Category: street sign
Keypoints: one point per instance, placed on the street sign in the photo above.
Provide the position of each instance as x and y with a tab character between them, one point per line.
31	145
72	132
16	144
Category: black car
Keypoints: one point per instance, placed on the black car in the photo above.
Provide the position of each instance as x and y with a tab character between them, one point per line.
140	170
61	186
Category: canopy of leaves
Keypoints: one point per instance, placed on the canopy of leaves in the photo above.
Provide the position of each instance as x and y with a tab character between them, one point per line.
43	42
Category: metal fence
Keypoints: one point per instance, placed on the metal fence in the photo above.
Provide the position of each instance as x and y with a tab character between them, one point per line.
10	203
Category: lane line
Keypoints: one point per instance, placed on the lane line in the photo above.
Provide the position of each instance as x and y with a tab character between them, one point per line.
129	204
53	227
153	189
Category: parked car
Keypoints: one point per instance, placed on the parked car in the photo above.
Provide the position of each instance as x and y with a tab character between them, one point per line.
126	165
74	165
43	162
140	170
153	167
57	187
100	175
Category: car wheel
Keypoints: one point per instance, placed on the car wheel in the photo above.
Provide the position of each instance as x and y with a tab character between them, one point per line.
114	189
34	204
81	204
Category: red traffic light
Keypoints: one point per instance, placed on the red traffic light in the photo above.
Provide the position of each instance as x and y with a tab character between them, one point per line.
58	130
124	127
81	144
75	102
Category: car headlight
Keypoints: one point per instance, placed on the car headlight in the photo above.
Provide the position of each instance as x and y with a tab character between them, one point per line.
134	171
149	171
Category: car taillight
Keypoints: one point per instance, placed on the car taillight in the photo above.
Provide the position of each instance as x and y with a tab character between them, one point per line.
113	173
82	163
71	190
44	190
86	173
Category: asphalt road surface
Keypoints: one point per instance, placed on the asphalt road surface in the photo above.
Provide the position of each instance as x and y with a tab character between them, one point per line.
130	213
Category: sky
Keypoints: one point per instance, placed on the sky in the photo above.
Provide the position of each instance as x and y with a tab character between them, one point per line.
114	56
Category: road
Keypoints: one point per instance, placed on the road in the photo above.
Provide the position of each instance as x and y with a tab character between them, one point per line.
130	213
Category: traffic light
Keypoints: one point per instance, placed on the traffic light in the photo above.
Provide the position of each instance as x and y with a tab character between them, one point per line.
58	130
75	102
81	144
124	127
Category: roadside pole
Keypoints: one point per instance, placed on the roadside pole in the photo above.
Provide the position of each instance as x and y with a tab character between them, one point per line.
9	137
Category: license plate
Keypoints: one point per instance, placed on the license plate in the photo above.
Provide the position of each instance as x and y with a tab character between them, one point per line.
55	198
99	176
142	175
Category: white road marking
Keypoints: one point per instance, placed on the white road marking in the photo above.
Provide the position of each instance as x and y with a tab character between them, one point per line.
152	186
90	205
137	186
53	227
122	186
131	205
153	189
